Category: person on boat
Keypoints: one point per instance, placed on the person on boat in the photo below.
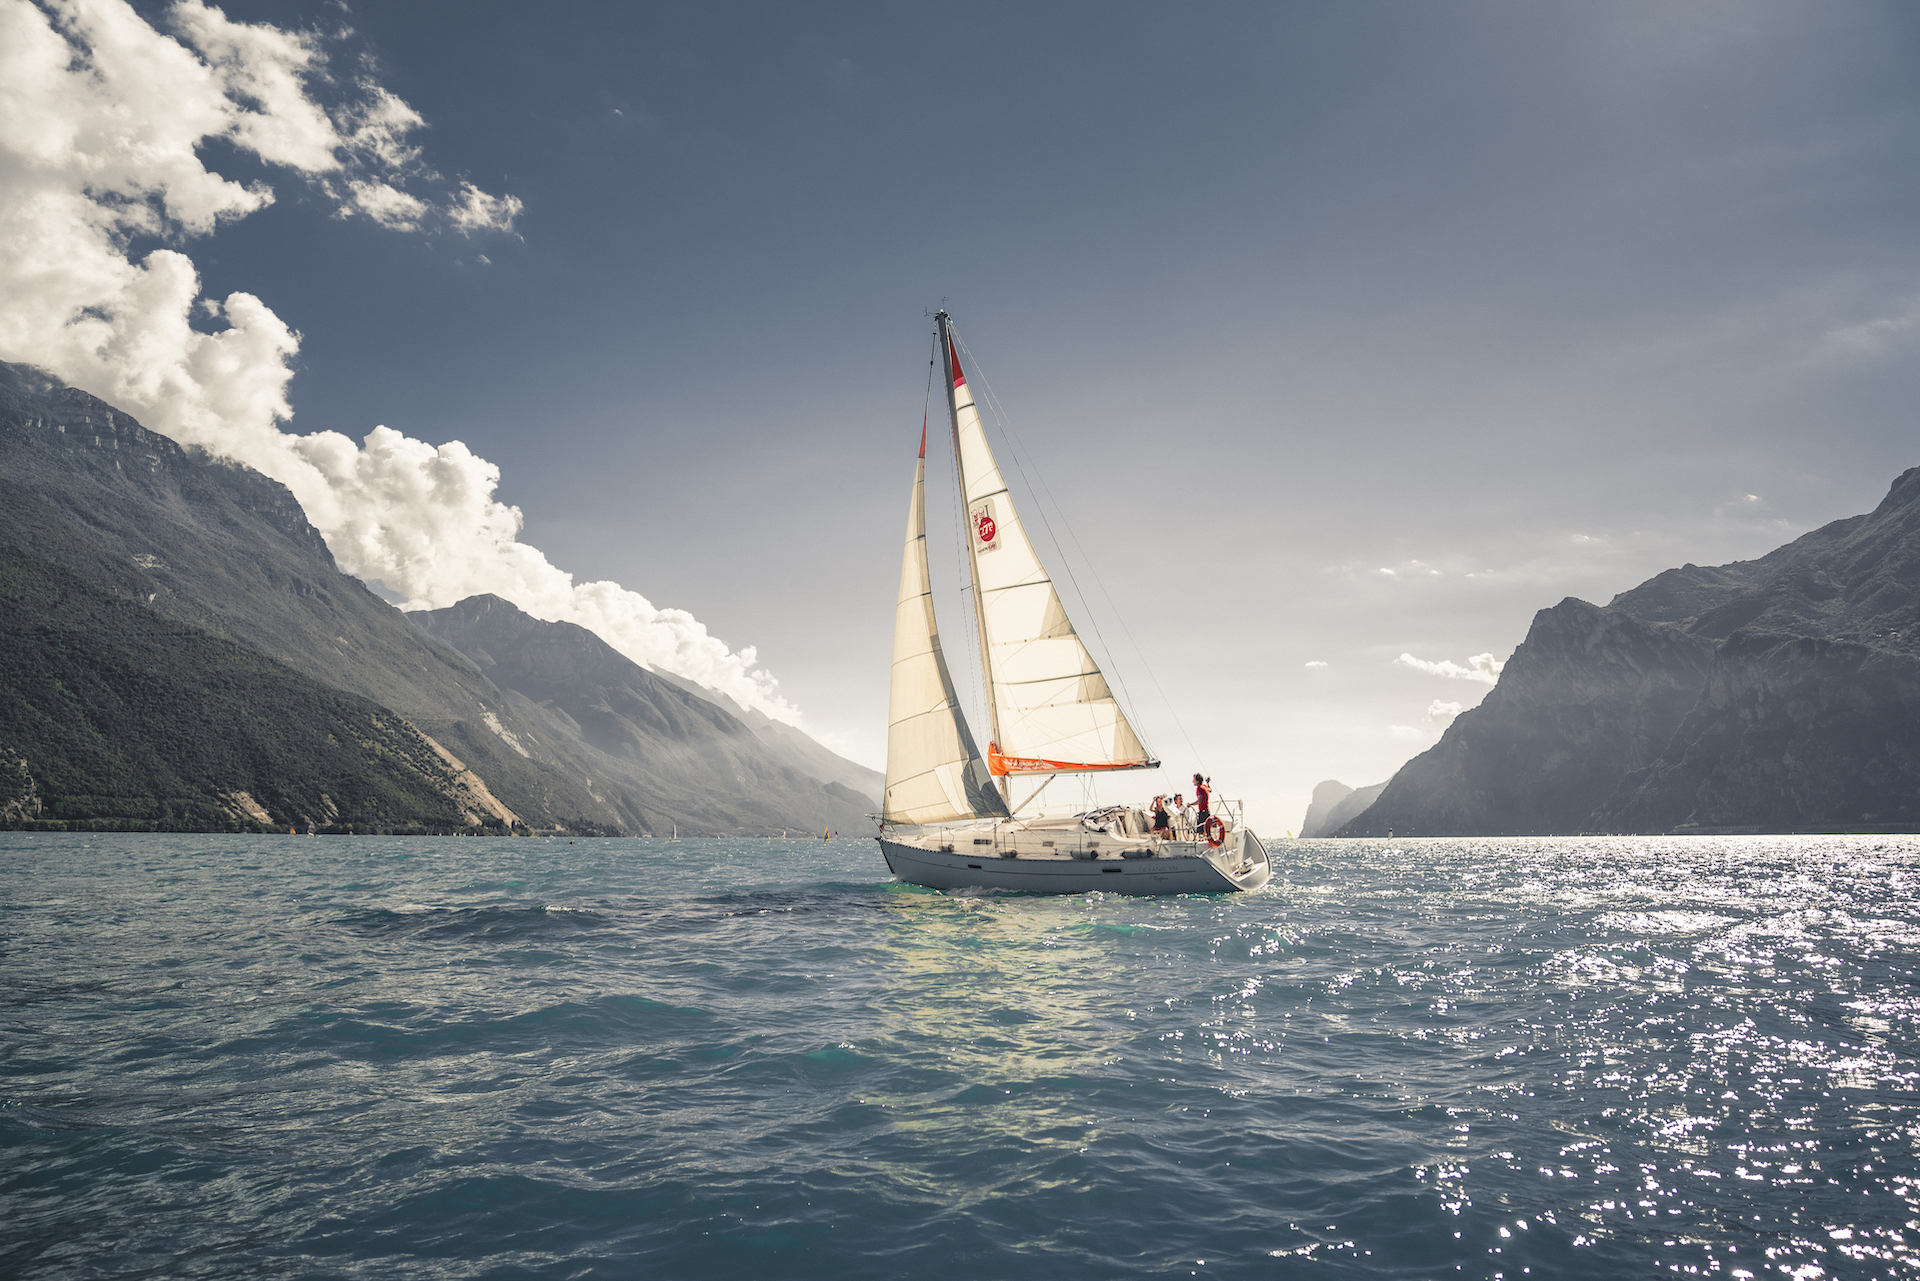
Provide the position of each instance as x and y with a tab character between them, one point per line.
1202	801
1162	821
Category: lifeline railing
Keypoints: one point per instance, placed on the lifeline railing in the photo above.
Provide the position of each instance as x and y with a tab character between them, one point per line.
1231	811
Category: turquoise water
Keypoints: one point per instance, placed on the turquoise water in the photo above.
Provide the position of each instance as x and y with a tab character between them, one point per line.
356	1057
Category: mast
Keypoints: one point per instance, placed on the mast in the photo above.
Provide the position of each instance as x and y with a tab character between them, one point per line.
947	358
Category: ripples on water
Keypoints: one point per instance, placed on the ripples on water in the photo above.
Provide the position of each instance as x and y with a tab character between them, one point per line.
233	1056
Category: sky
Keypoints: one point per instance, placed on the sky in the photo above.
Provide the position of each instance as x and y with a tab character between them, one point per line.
1343	337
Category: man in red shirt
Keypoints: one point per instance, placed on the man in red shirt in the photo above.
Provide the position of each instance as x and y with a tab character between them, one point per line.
1202	801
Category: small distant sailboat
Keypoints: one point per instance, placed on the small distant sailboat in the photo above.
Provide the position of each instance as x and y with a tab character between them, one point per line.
948	820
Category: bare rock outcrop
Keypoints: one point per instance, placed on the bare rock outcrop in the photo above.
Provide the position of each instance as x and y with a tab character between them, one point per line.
1335	805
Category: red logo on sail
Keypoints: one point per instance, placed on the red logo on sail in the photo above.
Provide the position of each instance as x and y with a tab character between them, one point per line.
985	528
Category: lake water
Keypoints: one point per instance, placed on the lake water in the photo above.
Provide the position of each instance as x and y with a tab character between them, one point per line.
359	1057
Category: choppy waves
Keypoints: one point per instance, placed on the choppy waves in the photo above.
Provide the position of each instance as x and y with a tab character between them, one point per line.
361	1057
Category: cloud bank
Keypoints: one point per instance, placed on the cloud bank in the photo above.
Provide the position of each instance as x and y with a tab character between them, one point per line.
102	121
1481	667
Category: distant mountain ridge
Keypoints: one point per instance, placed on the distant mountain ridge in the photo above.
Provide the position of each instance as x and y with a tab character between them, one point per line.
218	547
652	746
793	745
1334	805
1777	694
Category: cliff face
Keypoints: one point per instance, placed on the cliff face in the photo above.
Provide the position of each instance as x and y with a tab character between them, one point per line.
1781	693
1590	695
1808	716
1788	733
1335	805
1326	795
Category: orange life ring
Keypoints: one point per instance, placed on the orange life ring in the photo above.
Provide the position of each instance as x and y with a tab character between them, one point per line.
1216	832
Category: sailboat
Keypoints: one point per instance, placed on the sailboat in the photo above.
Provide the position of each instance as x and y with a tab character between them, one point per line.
949	820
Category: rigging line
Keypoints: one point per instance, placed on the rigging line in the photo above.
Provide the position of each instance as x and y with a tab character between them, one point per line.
976	693
926	410
1017	449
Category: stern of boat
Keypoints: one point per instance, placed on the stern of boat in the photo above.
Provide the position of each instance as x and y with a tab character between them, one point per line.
1244	860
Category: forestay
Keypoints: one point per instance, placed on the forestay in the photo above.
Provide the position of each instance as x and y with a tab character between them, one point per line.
1053	711
934	771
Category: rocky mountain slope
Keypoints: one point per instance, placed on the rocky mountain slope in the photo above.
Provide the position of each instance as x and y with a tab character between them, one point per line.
113	717
1778	694
221	548
653	748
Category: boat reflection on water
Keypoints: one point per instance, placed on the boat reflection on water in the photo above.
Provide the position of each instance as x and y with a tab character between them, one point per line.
1010	1021
1011	986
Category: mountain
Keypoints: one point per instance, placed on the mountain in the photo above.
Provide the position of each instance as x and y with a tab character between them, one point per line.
653	749
114	717
1590	695
1810	715
793	746
1778	694
1334	805
218	547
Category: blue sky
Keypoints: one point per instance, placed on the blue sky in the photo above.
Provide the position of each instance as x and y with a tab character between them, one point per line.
1339	331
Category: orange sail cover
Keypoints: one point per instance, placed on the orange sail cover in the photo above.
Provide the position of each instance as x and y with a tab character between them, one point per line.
1000	766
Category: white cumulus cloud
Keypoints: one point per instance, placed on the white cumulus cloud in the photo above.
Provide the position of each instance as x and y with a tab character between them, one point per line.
1316	663
102	121
385	203
1443	712
1481	667
474	210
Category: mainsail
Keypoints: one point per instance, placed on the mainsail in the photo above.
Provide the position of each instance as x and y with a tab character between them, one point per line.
1052	709
934	772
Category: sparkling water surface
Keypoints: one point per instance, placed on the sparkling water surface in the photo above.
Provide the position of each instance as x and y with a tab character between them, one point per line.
351	1057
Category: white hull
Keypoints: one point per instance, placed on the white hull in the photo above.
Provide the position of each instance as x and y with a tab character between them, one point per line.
1015	857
